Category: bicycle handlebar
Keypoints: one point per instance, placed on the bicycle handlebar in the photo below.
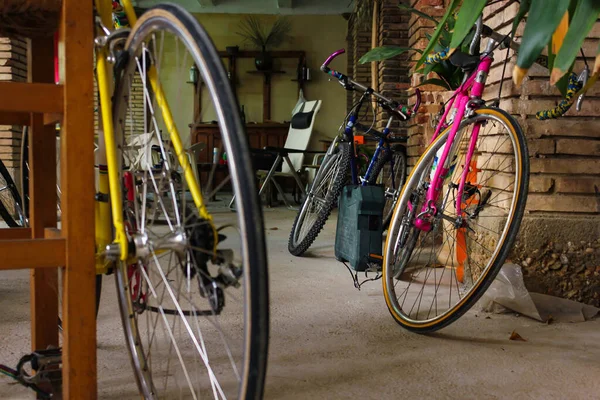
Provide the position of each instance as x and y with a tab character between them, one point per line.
402	111
331	57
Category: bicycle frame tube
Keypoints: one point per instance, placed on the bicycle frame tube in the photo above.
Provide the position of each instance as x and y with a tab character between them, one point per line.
112	163
114	179
475	85
103	231
386	132
350	137
180	152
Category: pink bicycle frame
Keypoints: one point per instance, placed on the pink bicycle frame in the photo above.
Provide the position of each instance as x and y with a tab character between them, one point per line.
472	88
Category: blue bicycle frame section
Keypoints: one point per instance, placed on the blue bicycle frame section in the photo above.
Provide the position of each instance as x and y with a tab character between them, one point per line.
349	134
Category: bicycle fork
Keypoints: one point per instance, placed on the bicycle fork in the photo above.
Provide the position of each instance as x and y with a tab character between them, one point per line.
443	168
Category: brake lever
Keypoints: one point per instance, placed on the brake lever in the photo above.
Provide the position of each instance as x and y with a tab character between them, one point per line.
418	102
583	77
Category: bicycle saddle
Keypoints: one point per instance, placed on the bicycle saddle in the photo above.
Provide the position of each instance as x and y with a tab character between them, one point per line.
464	60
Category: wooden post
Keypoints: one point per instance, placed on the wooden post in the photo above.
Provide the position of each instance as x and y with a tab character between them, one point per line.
42	194
77	182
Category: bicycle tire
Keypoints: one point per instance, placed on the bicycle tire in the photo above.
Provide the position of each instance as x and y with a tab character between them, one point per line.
10	200
25	169
503	244
398	153
339	164
178	23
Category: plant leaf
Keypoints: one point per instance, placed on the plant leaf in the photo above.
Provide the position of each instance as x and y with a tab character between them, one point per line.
436	82
583	21
558	36
544	17
523	9
417	12
563	82
436	34
468	14
384	53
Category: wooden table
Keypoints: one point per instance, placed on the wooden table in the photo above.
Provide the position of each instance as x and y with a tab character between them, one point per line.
259	136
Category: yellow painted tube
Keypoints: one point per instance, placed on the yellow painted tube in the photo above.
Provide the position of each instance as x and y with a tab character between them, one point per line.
114	177
129	11
190	178
103	220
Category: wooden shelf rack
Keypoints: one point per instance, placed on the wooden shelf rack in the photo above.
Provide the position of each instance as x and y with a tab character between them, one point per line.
42	247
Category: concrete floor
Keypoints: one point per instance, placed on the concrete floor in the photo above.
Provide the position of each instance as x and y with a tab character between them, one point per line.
330	341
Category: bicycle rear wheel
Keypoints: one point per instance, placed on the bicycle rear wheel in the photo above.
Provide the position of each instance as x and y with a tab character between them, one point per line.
11	207
320	200
390	171
432	277
190	330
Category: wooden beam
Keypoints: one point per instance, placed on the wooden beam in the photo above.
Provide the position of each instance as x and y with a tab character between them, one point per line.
42	200
52	233
77	202
31	97
15	233
14	118
285	4
30	253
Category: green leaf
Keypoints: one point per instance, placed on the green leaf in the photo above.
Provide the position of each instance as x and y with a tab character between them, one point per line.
417	12
551	55
468	14
384	53
583	21
523	9
436	34
436	82
571	9
544	17
563	82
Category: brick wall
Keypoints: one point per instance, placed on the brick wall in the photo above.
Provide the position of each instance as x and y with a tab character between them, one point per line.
359	42
419	128
392	75
13	67
562	221
559	241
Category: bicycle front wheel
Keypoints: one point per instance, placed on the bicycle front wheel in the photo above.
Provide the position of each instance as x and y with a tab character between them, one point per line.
320	200
195	320
433	276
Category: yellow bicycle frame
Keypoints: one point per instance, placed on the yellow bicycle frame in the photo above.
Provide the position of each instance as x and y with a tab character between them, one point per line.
111	182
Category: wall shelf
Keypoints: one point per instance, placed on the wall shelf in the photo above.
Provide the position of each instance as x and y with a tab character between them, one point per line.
232	72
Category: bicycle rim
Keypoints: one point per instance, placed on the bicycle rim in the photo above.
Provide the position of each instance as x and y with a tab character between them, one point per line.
190	331
431	278
11	207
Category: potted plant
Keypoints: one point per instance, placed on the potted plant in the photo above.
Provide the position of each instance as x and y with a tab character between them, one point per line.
448	77
253	30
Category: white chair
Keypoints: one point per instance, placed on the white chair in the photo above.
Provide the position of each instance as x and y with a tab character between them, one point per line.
293	152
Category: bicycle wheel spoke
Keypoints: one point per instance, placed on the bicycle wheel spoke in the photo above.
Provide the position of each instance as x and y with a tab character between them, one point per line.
430	279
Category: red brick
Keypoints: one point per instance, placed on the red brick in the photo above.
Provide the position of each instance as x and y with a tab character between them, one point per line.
582	147
564	165
540	146
577	184
562	203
